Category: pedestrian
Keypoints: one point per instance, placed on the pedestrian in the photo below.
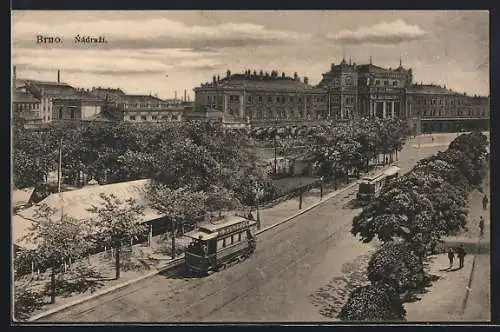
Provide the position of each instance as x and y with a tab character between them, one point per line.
250	215
485	202
451	257
461	255
481	226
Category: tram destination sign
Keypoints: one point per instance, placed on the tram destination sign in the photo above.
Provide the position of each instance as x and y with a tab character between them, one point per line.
233	228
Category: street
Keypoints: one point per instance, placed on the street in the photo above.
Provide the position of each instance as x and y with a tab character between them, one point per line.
291	262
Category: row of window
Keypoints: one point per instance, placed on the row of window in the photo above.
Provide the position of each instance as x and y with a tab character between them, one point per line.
146	105
386	83
153	117
25	107
441	102
232	239
270	99
282	114
434	113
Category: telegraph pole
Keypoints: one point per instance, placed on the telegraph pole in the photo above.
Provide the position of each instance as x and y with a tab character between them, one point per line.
59	168
275	148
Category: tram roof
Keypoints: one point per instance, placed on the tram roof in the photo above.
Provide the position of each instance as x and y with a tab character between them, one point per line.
201	235
215	226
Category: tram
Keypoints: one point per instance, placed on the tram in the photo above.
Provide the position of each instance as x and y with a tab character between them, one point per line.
217	245
371	186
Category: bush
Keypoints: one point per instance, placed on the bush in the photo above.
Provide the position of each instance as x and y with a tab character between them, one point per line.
25	302
373	303
396	265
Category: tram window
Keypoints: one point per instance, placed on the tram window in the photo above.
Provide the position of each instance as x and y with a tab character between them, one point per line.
220	244
232	239
224	242
239	237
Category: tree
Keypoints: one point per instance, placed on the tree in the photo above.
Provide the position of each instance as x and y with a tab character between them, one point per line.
56	240
25	302
179	206
219	199
395	265
116	221
373	303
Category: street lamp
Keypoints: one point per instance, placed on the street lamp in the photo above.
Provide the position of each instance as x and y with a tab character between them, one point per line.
258	194
275	146
321	188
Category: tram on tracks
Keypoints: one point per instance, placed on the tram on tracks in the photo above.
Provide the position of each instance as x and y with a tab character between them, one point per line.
217	245
370	186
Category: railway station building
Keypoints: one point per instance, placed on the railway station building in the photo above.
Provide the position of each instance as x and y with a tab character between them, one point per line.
347	91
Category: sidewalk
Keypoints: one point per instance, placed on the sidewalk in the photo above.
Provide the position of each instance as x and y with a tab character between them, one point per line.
460	295
269	217
444	299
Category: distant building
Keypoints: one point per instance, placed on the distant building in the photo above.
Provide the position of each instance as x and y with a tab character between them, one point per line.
262	98
346	92
45	92
366	90
76	108
27	107
138	108
434	108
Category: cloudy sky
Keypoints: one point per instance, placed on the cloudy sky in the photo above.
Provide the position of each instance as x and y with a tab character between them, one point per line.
161	52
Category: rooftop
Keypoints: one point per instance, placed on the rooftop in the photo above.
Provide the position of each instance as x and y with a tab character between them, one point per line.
430	89
76	203
260	80
24	97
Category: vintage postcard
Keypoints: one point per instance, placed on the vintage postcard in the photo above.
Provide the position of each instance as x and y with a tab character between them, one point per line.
250	166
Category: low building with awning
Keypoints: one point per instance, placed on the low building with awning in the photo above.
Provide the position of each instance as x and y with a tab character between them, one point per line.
75	204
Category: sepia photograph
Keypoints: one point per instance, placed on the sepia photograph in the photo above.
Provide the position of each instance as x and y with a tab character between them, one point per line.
245	166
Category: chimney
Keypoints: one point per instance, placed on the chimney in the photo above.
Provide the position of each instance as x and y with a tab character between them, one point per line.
283	75
218	78
58	76
214	79
254	73
185	95
228	73
261	73
295	76
306	80
332	66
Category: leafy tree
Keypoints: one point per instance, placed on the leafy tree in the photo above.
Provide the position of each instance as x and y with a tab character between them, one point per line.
396	265
374	303
219	199
117	221
56	240
25	302
180	206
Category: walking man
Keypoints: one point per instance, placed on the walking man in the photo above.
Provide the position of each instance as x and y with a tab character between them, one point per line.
481	226
485	202
461	255
451	256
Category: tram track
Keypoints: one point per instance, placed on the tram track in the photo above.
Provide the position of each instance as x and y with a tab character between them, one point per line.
219	285
273	277
274	247
276	263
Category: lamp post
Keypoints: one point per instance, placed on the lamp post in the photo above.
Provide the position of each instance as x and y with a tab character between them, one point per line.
258	194
321	188
275	147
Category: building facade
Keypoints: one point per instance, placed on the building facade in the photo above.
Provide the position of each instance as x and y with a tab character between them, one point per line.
76	108
347	91
138	108
262	98
27	107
